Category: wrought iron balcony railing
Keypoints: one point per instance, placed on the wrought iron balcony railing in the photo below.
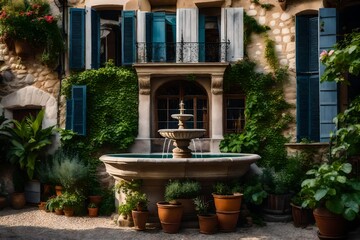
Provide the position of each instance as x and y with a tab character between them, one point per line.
182	52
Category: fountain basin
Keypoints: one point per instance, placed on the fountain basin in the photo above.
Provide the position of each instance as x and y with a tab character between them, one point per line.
156	166
182	134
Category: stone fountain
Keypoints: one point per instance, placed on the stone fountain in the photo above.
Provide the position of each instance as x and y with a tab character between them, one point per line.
157	168
182	136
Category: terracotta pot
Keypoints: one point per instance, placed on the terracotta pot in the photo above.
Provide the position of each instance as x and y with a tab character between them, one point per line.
93	212
95	199
59	211
18	200
302	217
68	211
140	219
22	48
42	206
170	216
227	220
208	223
58	190
227	202
330	225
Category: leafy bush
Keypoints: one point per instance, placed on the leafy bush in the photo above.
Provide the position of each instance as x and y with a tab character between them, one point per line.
112	119
186	189
227	188
70	172
28	141
330	187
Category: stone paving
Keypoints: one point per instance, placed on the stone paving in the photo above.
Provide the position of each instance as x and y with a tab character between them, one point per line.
33	224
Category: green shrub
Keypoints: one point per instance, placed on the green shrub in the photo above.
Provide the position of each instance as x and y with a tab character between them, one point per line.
186	189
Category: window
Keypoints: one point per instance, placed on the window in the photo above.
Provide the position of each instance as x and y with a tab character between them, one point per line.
234	113
112	38
76	110
195	102
307	77
161	37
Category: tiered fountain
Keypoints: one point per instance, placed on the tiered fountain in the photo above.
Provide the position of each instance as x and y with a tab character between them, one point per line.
157	168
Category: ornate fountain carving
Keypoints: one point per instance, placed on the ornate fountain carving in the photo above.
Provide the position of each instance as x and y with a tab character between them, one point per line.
182	136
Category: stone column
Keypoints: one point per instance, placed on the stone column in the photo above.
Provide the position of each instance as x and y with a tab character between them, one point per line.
142	142
216	111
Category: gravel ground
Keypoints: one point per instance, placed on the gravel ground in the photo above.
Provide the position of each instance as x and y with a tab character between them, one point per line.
31	223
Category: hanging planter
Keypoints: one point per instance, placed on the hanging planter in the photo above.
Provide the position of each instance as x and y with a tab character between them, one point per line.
22	48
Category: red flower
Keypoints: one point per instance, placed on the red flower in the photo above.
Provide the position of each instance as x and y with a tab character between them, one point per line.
49	18
29	13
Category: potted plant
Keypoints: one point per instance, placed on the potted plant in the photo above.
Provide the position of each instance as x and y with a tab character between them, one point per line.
207	221
281	184
128	188
55	204
302	217
140	213
69	172
17	199
334	197
31	25
71	201
183	191
227	199
28	141
93	210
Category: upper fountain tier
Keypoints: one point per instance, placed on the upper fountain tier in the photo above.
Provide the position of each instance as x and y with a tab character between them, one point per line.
182	136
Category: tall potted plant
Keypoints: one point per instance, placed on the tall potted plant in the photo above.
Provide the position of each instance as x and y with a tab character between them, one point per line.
28	141
334	197
227	199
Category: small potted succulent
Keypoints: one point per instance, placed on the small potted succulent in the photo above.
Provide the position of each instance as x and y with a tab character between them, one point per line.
207	221
93	210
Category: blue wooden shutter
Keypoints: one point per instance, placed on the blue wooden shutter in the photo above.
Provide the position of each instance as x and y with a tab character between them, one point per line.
159	37
201	38
95	39
69	114
307	76
128	37
77	39
327	90
149	46
79	109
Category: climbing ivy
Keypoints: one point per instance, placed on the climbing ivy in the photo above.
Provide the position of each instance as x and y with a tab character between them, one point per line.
266	110
112	106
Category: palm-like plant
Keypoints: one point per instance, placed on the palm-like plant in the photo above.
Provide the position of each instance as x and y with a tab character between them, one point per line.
28	139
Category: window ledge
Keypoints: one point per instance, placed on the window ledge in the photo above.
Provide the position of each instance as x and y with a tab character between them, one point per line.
208	3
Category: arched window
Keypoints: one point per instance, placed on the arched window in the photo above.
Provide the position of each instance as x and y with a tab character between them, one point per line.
195	99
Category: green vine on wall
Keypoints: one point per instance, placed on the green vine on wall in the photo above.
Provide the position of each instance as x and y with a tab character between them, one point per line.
266	6
112	106
266	112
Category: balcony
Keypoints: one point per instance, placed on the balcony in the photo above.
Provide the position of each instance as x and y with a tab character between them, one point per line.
182	52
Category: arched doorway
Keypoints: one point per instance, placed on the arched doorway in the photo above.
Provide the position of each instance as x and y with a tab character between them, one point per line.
168	97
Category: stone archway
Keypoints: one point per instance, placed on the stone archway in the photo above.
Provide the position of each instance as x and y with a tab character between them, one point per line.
31	96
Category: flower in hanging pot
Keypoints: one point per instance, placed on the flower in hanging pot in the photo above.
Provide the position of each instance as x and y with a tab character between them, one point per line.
32	22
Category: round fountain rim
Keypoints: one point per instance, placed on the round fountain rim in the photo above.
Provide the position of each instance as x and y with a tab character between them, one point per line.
134	157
